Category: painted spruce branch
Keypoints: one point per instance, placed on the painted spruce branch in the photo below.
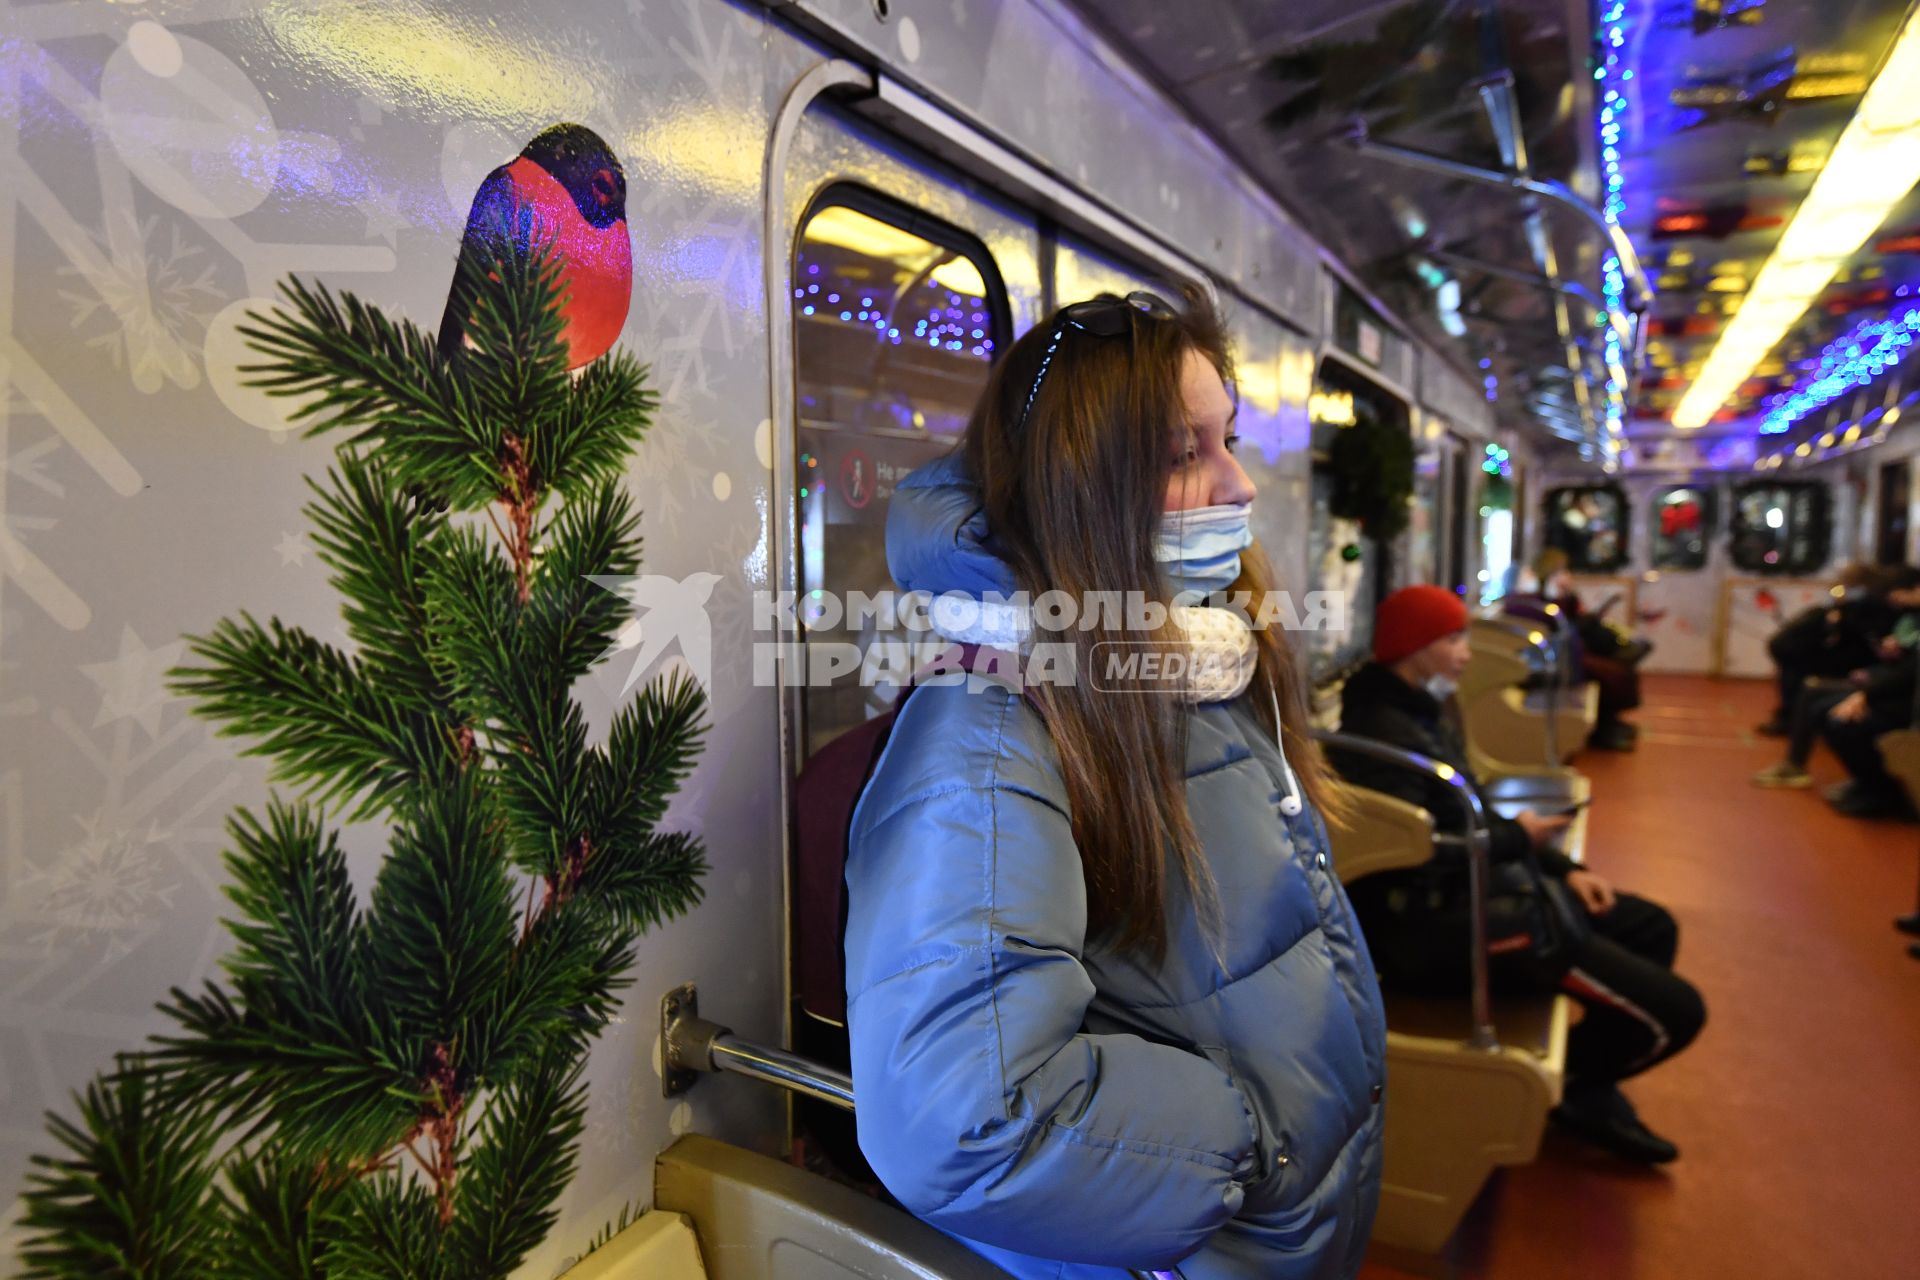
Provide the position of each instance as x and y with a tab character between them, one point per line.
393	1089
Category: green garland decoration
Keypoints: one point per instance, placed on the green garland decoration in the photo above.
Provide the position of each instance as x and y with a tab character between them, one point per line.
1497	493
1372	466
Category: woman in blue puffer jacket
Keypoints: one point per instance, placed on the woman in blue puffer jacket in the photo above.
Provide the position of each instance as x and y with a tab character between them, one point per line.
1109	1008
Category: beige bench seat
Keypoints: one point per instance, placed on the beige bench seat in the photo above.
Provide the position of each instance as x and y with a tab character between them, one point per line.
1454	1113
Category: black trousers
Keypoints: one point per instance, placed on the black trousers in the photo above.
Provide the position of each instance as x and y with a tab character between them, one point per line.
1637	1011
1810	710
1855	743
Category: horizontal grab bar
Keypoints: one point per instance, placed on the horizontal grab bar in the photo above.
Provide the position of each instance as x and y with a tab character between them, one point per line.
776	1066
691	1046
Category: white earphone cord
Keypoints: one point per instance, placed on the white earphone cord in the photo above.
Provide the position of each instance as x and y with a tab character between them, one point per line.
1290	804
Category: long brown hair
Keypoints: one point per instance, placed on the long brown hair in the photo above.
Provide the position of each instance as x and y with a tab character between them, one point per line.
1074	495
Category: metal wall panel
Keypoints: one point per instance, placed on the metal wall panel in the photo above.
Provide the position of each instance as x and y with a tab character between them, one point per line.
157	178
1030	74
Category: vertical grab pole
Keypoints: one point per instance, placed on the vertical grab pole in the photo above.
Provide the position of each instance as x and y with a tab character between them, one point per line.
1556	650
1478	860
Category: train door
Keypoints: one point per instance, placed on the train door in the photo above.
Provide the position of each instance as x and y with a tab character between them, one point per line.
1344	558
905	280
1673	604
1896	493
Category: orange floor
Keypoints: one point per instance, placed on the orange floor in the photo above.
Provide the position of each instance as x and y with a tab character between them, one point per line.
1798	1110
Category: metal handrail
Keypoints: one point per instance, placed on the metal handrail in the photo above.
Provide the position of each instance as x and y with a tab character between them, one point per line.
691	1046
1479	841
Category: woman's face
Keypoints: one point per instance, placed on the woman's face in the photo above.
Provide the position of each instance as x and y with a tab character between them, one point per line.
1205	472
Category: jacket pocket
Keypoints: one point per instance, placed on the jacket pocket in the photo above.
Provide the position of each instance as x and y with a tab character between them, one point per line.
1270	1157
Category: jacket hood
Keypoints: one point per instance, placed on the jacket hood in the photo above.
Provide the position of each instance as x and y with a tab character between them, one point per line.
937	535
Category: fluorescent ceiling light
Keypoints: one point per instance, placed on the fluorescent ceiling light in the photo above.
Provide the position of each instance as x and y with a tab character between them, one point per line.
1872	167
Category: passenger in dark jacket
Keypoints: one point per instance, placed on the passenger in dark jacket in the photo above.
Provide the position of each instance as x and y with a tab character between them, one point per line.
1597	653
1613	952
1884	700
1831	641
1851	714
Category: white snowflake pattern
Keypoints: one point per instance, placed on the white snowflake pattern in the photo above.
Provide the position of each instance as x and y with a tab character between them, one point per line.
148	314
131	683
105	891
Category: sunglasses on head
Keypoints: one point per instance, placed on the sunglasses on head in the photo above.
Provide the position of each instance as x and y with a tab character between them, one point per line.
1101	317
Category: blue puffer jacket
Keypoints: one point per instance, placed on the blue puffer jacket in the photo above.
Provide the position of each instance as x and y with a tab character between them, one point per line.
1065	1110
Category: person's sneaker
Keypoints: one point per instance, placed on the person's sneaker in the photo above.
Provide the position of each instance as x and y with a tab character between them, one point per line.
1909	923
1784	774
1774	728
1606	1119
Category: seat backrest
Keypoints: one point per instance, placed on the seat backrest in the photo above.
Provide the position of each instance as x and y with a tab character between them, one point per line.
825	796
762	1219
1494	666
1380	833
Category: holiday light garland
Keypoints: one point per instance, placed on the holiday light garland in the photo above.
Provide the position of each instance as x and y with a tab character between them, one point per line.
1613	107
1847	363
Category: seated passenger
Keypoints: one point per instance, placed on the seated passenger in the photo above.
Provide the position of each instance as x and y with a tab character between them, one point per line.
1551	922
1108	1006
1830	641
1852	712
1883	701
1599	654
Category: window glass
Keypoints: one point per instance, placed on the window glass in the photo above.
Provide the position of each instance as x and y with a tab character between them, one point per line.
1682	521
894	331
1495	515
896	320
1081	271
1780	527
1423	529
1341	560
1589	523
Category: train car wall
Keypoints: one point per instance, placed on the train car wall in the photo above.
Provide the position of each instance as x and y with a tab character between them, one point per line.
156	180
160	175
1713	620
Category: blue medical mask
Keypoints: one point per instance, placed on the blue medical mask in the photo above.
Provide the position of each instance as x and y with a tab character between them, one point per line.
1200	549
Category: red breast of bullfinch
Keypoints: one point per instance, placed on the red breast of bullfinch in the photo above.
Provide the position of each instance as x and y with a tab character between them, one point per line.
569	190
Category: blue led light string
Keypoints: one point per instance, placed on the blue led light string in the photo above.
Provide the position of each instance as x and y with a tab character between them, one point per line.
1846	364
1610	73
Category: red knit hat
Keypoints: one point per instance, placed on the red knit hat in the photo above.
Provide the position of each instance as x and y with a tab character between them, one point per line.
1414	617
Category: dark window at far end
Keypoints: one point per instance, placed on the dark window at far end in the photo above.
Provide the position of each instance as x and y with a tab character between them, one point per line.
1781	527
1683	520
1589	523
